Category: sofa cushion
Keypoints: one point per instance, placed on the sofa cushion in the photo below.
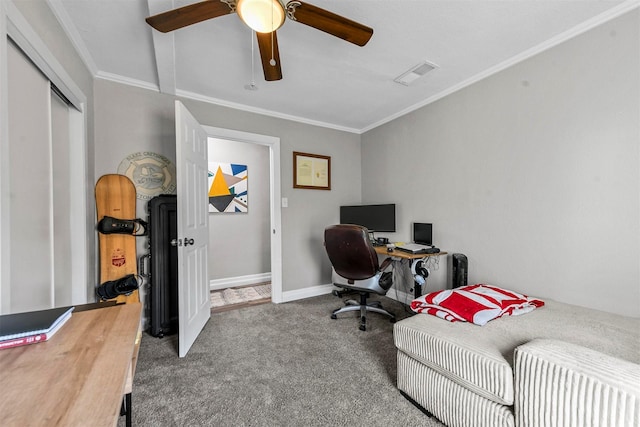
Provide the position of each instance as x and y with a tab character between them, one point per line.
481	359
588	387
453	404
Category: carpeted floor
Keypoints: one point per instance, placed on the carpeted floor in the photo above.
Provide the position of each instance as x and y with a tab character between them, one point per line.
276	365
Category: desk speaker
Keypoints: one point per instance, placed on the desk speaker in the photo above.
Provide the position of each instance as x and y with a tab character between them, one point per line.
459	270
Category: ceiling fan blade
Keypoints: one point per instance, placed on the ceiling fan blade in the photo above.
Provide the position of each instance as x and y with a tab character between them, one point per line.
187	15
269	51
329	22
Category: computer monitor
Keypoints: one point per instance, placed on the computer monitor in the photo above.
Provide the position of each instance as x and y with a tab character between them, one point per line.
422	233
374	217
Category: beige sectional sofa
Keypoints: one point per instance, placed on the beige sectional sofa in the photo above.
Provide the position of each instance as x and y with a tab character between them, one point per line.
560	365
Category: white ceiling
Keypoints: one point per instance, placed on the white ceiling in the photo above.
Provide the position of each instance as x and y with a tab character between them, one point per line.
326	81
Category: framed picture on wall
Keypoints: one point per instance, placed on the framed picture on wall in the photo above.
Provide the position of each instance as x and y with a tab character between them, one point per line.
311	171
228	188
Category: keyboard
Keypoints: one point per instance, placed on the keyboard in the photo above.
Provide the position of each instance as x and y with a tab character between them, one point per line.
417	251
413	248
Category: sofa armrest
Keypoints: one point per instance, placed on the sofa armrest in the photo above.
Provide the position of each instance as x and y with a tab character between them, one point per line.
563	384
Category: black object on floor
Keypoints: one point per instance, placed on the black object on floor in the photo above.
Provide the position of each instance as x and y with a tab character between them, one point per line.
459	270
163	266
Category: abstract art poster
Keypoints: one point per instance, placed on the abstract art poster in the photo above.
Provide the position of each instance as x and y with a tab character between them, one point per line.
227	187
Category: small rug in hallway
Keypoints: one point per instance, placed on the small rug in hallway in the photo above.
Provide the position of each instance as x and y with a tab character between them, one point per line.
242	296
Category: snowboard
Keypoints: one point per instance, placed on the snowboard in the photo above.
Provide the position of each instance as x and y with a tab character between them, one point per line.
116	197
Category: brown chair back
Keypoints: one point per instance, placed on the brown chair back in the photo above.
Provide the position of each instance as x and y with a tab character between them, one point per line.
350	251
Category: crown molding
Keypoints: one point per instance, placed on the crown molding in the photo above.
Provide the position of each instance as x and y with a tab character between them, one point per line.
117	78
169	86
262	111
581	28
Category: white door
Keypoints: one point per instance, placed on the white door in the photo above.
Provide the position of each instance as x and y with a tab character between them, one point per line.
194	304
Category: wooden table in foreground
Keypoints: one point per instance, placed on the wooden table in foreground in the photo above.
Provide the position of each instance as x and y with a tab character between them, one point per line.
397	253
78	377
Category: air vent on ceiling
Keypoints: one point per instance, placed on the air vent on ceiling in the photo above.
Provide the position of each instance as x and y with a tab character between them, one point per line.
415	73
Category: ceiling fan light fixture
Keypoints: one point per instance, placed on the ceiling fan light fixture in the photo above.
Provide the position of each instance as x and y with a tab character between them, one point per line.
262	16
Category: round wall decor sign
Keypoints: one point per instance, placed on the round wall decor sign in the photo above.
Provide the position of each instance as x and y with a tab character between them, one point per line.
152	174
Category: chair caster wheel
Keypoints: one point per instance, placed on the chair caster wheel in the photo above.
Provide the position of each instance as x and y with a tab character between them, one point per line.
363	323
335	293
334	317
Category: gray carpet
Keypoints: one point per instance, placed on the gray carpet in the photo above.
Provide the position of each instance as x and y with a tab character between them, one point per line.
276	365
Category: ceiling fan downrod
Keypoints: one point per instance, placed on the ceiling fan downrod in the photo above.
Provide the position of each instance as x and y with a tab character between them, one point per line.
272	61
252	85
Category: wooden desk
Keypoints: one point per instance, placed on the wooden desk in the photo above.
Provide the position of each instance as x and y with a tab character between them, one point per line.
78	377
396	253
382	250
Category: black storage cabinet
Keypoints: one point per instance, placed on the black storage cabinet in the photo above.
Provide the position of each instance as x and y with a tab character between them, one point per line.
163	266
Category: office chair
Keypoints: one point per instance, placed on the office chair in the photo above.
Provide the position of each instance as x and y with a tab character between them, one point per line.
355	267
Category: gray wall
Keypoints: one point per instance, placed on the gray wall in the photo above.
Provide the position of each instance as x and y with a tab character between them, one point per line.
533	173
130	119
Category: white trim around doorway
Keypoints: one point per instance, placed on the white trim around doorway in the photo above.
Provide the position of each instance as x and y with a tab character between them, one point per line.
276	222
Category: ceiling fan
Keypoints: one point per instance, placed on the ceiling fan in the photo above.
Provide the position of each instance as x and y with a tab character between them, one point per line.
265	17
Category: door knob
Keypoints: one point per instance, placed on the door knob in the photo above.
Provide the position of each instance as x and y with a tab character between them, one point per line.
176	242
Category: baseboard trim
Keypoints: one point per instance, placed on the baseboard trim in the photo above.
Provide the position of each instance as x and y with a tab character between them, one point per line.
288	296
312	291
232	282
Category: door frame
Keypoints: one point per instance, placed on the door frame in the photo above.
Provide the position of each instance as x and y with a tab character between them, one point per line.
274	186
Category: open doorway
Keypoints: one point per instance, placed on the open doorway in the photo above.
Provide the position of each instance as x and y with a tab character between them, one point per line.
266	150
239	224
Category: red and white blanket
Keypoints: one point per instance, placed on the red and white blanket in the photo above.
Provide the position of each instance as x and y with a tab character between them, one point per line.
477	304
